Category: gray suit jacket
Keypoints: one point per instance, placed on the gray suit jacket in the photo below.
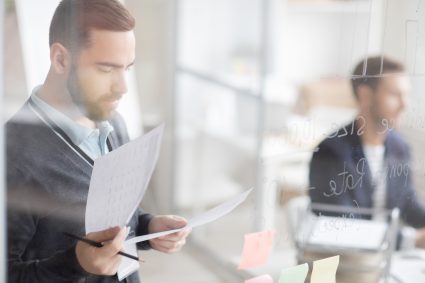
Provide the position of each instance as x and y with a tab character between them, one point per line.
47	188
340	175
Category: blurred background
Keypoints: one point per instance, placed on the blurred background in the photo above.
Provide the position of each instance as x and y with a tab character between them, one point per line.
247	89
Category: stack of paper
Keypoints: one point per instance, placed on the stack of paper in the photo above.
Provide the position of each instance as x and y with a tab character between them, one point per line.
348	233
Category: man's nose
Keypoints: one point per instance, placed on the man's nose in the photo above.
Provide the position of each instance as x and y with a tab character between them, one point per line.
404	100
119	85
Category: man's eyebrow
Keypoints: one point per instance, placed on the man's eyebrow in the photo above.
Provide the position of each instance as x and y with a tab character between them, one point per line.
113	65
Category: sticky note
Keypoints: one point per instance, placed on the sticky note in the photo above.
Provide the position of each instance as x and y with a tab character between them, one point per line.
256	250
261	279
324	270
296	274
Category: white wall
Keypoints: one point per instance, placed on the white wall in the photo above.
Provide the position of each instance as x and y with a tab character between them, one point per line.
405	33
155	57
325	39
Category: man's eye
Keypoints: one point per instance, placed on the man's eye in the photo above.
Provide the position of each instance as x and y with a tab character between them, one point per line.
105	69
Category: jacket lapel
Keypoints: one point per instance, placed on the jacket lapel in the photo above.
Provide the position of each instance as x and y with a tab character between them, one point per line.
359	167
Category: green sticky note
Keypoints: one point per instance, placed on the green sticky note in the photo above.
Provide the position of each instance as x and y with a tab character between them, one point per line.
296	274
324	270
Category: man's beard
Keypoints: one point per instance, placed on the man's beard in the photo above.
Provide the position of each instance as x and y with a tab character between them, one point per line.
74	91
382	123
89	109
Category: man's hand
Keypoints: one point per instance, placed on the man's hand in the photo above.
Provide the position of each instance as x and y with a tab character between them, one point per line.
420	238
104	260
170	243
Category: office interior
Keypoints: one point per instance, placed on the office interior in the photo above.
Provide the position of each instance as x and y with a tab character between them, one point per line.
246	90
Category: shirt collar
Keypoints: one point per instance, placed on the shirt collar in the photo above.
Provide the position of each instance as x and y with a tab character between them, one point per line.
76	132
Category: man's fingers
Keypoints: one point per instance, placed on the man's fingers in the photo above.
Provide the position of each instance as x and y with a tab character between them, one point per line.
168	248
104	235
115	262
165	250
109	267
164	244
174	221
176	236
113	247
173	242
104	260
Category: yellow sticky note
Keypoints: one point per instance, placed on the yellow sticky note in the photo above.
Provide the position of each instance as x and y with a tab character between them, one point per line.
256	250
260	279
324	270
296	274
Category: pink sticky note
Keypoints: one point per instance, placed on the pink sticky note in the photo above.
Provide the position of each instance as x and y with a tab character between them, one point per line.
256	249
260	279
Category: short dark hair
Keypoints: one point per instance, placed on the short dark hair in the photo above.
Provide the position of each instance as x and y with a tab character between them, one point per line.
73	21
375	67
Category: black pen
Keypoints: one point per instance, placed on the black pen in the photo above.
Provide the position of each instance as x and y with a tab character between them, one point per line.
99	245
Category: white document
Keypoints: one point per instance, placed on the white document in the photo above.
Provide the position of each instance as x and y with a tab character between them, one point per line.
119	181
207	217
348	233
128	265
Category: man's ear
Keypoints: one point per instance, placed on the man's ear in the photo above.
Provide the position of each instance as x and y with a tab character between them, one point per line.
364	95
60	58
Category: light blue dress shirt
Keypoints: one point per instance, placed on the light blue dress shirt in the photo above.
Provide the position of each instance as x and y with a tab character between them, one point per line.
91	141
